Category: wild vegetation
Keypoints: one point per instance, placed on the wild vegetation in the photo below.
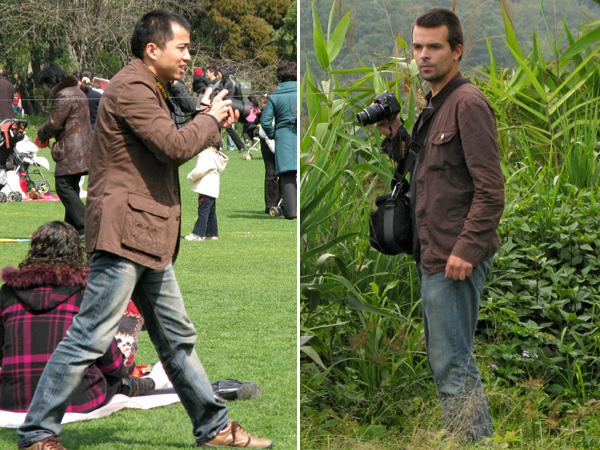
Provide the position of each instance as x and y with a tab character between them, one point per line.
251	35
365	382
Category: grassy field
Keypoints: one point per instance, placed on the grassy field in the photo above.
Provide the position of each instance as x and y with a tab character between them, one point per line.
241	295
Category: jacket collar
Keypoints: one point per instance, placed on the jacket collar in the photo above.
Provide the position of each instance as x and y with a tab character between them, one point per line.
66	82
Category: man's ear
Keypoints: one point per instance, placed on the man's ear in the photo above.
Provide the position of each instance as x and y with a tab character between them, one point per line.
458	52
151	49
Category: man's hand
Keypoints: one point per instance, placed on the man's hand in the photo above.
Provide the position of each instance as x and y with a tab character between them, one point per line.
385	125
220	109
458	269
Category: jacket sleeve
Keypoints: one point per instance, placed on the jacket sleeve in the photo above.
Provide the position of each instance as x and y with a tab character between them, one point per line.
58	117
204	165
266	120
112	362
145	113
477	127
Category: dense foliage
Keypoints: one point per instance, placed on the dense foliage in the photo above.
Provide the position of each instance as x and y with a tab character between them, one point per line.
364	372
252	35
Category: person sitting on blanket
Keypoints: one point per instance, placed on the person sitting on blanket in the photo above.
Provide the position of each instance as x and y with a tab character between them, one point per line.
38	303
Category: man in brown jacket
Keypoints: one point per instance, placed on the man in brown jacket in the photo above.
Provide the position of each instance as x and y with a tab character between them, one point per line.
132	231
457	195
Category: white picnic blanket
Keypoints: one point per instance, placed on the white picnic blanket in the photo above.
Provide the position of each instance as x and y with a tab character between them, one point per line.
9	419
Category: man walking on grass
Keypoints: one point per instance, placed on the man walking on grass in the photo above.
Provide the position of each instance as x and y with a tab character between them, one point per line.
457	199
133	233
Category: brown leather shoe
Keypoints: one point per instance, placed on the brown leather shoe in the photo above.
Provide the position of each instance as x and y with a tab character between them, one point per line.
234	436
49	443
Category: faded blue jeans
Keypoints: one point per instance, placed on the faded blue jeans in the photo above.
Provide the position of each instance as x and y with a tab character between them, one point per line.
112	282
450	312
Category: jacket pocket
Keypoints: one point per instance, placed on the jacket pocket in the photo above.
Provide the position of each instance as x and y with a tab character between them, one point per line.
145	228
58	151
442	154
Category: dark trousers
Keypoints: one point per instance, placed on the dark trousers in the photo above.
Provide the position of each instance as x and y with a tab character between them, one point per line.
67	189
237	140
288	186
272	194
206	224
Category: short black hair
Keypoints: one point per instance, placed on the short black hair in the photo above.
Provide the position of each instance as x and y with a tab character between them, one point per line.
52	74
156	27
438	17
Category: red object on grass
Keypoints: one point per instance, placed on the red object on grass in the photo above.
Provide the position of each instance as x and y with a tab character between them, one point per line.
41	144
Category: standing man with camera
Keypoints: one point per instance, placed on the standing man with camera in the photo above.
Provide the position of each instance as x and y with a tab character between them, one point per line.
457	199
133	233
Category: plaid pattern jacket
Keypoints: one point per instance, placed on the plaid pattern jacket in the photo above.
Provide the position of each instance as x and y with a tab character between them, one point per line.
37	306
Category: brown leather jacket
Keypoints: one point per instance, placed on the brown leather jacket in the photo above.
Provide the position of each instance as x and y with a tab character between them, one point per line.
69	124
133	206
460	186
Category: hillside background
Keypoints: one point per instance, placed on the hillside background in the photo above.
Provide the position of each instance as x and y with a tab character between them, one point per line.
377	24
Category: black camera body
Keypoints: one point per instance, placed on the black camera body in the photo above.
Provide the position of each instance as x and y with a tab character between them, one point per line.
385	106
237	105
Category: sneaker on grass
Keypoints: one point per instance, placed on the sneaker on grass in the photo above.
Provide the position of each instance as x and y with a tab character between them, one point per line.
194	237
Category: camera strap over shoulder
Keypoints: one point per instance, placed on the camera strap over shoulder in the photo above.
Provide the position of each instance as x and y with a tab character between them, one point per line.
422	130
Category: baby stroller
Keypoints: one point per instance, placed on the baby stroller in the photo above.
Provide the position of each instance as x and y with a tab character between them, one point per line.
30	165
11	132
18	154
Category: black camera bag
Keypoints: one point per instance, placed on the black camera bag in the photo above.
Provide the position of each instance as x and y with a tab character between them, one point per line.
390	225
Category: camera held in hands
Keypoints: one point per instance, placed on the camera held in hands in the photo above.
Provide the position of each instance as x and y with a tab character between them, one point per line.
385	106
237	105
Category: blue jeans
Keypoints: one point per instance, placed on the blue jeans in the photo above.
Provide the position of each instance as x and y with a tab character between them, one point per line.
206	224
450	312
112	282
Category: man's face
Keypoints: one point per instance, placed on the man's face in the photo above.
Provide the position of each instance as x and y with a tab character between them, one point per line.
433	54
171	61
210	75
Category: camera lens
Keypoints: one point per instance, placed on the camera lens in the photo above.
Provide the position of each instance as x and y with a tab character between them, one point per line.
242	106
370	115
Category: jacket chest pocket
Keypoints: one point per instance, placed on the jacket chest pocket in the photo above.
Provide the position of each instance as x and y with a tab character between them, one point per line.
444	150
145	227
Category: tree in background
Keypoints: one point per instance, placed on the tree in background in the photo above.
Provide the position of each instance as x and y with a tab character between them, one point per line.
252	35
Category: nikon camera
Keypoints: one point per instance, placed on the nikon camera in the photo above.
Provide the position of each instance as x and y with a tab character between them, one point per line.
385	106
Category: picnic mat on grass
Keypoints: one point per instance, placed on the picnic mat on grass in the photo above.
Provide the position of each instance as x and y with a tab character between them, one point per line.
9	419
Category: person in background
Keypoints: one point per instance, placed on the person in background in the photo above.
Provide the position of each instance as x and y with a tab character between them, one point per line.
69	123
7	94
200	83
205	179
86	78
267	149
45	294
279	121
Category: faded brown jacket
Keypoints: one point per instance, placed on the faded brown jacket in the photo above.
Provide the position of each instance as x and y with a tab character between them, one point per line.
69	124
459	183
133	204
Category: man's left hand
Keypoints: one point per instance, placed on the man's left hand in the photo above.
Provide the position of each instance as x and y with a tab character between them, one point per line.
458	269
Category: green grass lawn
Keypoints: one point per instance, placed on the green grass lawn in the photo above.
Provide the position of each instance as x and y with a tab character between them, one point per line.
241	295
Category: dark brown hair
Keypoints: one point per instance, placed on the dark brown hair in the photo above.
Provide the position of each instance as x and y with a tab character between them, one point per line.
286	71
55	244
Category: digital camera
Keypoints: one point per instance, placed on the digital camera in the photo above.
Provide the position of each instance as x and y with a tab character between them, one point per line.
385	106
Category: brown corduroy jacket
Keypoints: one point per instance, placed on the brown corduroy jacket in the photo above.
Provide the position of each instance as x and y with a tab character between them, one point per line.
133	204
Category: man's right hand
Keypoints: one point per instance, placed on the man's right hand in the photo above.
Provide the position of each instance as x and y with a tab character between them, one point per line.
385	125
220	108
